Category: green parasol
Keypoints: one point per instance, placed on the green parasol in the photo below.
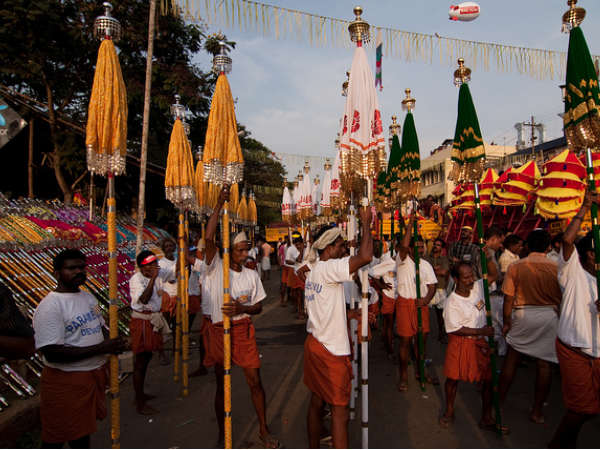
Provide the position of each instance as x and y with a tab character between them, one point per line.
582	107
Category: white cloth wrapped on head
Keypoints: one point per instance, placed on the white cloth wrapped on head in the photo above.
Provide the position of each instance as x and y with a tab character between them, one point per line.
327	238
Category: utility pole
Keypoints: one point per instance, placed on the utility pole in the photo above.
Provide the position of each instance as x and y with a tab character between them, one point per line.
532	124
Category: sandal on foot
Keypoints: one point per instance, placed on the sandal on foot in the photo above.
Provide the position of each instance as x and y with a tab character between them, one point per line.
403	386
504	430
269	441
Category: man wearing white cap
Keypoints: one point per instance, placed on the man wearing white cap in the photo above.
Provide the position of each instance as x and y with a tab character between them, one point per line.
247	294
327	368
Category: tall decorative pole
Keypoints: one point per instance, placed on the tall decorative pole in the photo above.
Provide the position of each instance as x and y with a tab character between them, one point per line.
224	165
106	144
393	175
179	190
582	108
468	158
362	157
410	147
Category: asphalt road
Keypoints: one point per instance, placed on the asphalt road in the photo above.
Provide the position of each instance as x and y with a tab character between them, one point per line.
396	419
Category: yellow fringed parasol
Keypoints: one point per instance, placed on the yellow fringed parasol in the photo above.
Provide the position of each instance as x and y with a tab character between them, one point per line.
252	213
234	201
223	164
179	190
242	210
106	146
179	176
201	188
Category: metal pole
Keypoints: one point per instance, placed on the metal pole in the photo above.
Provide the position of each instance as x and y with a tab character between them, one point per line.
178	304
420	340
594	214
488	310
353	325
364	345
92	197
226	330
145	125
115	406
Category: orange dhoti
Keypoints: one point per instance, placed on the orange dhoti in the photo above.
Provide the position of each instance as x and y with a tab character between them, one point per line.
205	334
194	304
244	351
580	375
71	403
327	375
168	303
285	274
143	336
294	282
406	317
388	304
467	359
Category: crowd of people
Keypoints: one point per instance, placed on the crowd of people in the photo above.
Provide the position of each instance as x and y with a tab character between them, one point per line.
542	294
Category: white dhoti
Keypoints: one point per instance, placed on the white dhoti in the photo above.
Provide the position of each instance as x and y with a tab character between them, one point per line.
497	305
266	263
533	332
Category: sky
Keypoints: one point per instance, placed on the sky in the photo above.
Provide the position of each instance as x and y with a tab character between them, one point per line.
289	93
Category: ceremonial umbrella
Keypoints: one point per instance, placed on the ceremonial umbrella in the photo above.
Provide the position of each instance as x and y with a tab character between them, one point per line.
242	210
325	202
362	157
582	107
106	145
561	190
411	185
201	189
252	214
468	158
286	204
179	190
395	172
223	165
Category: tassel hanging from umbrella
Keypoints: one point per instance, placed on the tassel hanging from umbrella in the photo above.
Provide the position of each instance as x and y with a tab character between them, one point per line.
468	158
582	108
224	165
179	190
106	145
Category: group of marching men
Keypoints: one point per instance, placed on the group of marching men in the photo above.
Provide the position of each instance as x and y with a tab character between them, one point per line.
545	307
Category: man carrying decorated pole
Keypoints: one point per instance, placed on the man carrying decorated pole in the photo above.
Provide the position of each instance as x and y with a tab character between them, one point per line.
223	165
179	190
362	157
468	158
327	368
247	293
578	340
106	145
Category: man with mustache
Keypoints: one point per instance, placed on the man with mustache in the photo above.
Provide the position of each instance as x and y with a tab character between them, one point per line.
70	333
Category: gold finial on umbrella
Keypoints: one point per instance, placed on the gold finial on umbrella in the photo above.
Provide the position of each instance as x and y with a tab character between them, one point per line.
358	28
573	17
106	147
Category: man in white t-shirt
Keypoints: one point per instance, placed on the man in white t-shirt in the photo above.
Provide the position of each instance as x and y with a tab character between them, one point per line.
578	340
147	324
468	353
407	304
69	332
386	271
327	368
247	294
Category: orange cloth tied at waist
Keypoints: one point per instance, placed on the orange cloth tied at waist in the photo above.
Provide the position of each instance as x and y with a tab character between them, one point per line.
294	282
194	304
467	359
388	304
285	274
71	403
327	375
143	337
406	317
168	303
580	380
244	351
